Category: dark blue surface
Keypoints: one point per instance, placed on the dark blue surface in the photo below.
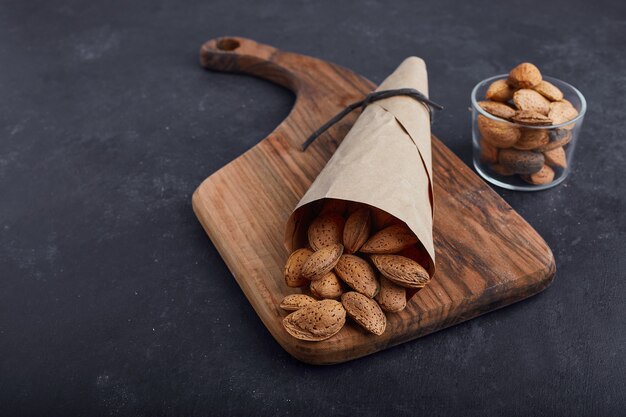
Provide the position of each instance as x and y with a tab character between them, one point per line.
114	302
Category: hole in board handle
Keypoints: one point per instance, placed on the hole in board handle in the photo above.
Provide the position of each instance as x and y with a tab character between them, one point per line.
227	44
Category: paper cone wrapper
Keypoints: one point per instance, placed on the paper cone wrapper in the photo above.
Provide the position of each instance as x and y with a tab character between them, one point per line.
384	161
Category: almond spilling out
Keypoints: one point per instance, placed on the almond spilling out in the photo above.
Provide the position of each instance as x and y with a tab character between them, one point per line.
318	321
391	239
365	312
497	133
293	268
402	271
326	230
321	262
380	218
418	254
391	297
293	302
358	274
356	230
340	238
327	287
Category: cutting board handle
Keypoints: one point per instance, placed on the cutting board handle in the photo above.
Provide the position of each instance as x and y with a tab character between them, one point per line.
322	89
236	54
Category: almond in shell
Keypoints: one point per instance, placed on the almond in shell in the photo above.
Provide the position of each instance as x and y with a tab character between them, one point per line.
380	218
326	230
293	268
525	75
357	230
392	297
418	253
558	138
561	112
293	302
391	239
549	91
334	205
327	287
318	321
521	162
499	90
365	312
532	139
564	101
531	101
501	110
497	133
501	170
358	274
401	270
321	262
544	176
556	157
488	152
531	118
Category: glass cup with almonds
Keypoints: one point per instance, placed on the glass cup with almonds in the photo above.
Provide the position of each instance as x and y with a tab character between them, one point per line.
524	128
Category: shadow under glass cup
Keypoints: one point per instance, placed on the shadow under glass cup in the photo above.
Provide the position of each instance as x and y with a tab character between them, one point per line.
555	145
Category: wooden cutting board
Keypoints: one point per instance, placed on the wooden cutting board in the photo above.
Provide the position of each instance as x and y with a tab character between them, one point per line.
487	255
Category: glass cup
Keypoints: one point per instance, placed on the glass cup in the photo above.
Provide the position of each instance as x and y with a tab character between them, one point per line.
521	156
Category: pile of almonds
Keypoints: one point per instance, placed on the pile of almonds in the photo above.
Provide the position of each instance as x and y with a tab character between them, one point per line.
360	263
527	100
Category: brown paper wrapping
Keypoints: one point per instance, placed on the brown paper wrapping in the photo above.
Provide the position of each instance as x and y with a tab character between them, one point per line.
384	161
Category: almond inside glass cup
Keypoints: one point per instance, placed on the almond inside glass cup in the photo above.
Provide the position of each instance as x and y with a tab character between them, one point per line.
515	144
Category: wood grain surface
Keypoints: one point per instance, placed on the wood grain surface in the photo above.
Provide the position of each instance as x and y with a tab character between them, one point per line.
487	255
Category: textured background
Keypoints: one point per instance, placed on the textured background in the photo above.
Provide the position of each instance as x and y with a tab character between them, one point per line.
114	302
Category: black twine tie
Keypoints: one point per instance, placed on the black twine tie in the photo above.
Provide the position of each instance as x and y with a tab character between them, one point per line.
370	98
